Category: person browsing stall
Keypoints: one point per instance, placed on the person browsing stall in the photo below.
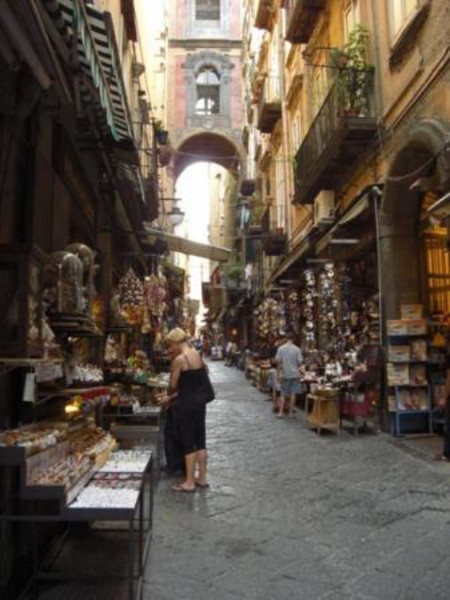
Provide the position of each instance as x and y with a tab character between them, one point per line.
186	398
288	359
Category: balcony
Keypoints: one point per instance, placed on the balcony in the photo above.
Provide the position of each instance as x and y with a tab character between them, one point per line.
343	128
264	14
275	243
269	105
301	19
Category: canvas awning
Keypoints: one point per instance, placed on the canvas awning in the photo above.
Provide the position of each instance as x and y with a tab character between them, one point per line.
361	206
300	250
176	243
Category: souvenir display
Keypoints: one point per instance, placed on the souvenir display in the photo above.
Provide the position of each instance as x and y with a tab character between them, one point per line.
108	494
271	319
21	302
129	461
131	293
34	438
86	375
156	293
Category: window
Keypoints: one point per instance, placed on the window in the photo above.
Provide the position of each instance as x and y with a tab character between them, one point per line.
400	11
207	10
352	16
208	92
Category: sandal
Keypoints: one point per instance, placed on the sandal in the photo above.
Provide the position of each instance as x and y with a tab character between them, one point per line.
178	487
441	457
202	486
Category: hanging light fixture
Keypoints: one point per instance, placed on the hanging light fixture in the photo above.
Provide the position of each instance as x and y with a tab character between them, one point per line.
176	216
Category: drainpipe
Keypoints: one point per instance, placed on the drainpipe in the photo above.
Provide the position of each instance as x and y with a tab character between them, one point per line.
285	123
377	56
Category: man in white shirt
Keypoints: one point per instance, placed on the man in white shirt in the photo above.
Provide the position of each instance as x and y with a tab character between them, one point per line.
288	359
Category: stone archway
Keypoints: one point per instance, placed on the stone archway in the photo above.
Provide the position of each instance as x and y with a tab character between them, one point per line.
422	164
209	147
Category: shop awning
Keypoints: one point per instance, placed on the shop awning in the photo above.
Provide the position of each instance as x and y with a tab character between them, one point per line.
176	243
348	217
99	60
300	250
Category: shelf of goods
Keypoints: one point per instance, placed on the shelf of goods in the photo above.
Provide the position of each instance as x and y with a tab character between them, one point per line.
72	472
408	373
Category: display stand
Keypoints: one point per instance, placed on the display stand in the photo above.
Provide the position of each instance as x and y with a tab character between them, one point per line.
400	386
93	501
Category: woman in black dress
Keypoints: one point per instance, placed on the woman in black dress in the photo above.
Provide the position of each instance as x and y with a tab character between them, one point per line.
185	398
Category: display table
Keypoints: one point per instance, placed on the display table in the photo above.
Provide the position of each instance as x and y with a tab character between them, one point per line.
324	412
119	496
143	426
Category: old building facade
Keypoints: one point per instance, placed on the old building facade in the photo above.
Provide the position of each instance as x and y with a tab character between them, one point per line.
204	82
348	126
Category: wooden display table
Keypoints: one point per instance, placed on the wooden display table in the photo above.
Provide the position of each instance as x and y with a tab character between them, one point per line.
325	410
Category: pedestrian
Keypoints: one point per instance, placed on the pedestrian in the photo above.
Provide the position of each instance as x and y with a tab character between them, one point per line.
288	359
273	381
186	397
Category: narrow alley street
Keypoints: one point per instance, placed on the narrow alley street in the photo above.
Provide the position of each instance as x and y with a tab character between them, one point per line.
291	515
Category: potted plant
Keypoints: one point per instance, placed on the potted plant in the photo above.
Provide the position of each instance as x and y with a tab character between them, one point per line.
354	74
162	135
235	273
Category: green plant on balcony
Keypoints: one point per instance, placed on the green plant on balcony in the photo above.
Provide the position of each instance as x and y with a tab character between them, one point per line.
235	274
257	208
354	74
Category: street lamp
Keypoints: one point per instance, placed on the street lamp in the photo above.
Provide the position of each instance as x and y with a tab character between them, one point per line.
175	216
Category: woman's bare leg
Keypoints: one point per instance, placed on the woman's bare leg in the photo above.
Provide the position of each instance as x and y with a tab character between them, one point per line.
202	461
190	460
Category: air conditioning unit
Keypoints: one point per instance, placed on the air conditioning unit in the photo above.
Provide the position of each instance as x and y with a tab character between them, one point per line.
324	208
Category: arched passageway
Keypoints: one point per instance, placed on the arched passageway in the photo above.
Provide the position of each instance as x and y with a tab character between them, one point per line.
208	147
421	165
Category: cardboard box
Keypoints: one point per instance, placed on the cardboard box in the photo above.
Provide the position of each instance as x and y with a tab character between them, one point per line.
399	354
419	350
397	327
411	312
397	374
417	327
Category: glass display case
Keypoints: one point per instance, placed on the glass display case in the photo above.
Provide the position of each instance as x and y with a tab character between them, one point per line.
87	258
63	285
21	301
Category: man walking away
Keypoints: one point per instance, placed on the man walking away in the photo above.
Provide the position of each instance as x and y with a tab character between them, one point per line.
288	359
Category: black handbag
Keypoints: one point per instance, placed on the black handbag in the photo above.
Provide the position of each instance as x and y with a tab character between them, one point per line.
206	389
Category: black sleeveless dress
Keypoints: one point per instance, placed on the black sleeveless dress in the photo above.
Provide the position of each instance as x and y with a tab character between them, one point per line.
191	411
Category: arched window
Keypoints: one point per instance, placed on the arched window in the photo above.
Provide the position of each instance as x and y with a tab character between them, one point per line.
207	85
207	10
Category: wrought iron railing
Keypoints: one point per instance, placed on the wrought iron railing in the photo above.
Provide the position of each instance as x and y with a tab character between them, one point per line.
350	98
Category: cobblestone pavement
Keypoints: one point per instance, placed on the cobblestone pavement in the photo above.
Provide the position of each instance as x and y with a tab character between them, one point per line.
291	515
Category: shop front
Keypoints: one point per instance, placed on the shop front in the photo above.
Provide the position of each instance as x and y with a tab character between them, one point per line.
415	277
369	295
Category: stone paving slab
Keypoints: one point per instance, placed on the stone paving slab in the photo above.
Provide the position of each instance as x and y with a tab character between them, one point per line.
291	515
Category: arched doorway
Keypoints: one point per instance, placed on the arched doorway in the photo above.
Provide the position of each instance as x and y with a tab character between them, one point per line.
420	167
